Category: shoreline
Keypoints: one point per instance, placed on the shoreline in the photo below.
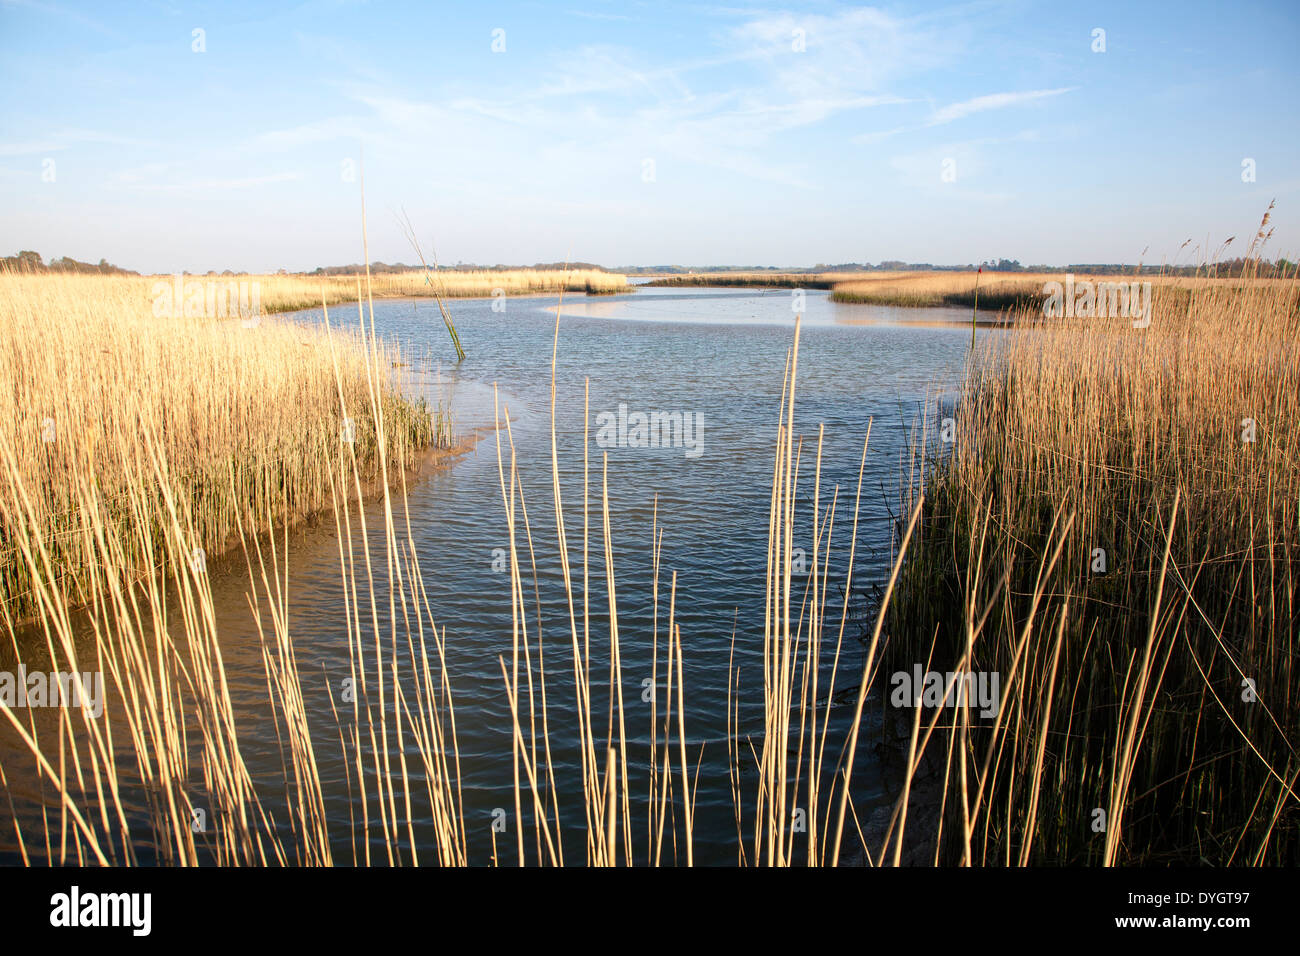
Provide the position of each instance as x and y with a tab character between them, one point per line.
406	296
428	461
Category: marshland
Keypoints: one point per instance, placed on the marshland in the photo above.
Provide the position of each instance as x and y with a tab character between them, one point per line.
327	648
941	563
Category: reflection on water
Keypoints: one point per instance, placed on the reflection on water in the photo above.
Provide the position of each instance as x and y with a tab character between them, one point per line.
717	355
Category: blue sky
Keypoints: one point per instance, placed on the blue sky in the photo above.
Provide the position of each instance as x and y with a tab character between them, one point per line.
645	133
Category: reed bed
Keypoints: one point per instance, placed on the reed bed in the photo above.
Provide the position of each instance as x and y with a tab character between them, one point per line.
234	408
761	280
288	293
1111	525
934	289
1120	691
1018	291
244	295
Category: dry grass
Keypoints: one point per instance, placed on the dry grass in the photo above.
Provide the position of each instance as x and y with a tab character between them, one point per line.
1120	692
764	280
213	296
922	289
1003	291
289	293
1128	692
232	407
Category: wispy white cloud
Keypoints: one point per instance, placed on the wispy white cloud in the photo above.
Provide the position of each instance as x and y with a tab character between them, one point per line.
765	76
993	101
859	50
310	134
66	139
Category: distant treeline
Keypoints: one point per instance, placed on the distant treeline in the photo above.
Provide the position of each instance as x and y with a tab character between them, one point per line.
384	268
780	280
1225	268
28	261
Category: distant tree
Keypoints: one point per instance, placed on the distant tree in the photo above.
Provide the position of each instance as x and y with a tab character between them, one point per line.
1003	265
29	261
